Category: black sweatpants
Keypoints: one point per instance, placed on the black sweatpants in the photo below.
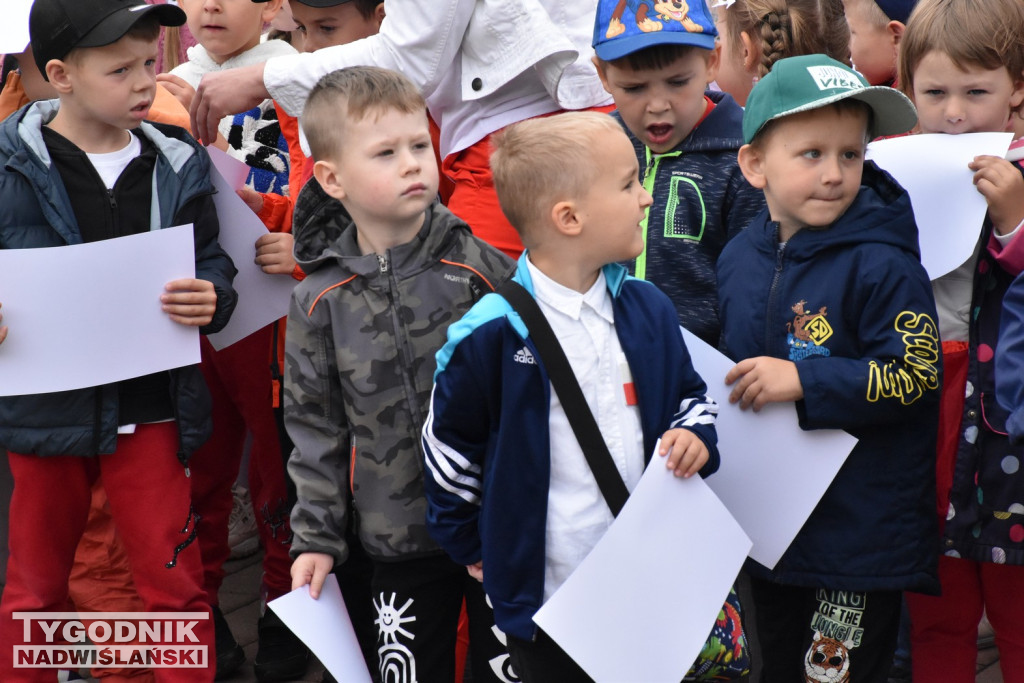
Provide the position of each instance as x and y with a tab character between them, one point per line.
820	634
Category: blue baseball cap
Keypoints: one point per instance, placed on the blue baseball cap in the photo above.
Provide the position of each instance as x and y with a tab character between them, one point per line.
620	30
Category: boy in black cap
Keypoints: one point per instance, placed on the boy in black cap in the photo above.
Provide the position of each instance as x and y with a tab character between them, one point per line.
85	169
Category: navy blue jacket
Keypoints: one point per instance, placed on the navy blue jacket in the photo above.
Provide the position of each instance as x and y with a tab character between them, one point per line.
486	439
36	212
852	306
701	201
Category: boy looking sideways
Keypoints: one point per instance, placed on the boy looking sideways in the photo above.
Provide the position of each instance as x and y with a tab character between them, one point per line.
685	139
825	304
388	269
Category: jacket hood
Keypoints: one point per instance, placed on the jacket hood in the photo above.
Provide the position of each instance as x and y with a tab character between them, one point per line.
881	213
23	130
324	232
720	131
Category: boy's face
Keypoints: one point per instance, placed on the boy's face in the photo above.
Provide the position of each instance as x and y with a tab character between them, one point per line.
661	106
953	100
386	174
615	205
873	48
109	89
227	28
809	166
337	25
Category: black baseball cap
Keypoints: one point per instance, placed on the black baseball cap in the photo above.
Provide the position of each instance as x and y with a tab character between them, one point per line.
315	3
58	26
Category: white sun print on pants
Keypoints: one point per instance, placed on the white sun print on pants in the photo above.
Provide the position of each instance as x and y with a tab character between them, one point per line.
397	664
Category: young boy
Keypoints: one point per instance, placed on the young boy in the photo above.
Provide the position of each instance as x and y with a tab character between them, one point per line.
323	23
685	139
511	496
824	303
964	70
63	165
387	270
876	28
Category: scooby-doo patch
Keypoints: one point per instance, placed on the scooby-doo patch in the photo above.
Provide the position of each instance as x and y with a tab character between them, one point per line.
807	331
651	15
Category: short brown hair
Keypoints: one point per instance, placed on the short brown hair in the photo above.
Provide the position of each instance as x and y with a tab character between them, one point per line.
789	28
354	93
540	161
654	57
986	35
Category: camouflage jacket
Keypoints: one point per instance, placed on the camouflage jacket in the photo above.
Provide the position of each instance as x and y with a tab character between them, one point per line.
359	366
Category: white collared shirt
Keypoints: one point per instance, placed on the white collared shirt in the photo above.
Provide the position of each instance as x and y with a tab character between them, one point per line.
578	515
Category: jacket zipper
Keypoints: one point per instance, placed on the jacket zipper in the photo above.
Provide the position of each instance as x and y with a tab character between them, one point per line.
401	341
769	328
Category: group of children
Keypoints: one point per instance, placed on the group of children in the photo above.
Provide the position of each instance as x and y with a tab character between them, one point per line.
425	434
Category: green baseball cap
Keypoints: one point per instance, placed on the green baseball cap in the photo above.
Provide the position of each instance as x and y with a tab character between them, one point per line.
798	84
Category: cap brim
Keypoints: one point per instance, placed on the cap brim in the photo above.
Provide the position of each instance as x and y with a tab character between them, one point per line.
894	113
115	25
619	47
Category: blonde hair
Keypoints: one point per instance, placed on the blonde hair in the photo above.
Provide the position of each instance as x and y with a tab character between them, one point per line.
986	35
540	161
351	94
787	28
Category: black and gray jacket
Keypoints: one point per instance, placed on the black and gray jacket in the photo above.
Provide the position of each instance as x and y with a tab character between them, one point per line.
359	367
36	211
701	201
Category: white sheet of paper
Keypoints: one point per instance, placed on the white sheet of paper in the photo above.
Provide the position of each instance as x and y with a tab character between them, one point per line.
14	35
89	314
643	602
773	473
324	626
948	209
262	298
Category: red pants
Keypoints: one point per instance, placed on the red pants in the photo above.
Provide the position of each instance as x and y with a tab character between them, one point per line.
149	496
944	630
474	199
240	385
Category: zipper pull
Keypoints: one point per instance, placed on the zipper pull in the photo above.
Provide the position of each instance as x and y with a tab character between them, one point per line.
382	261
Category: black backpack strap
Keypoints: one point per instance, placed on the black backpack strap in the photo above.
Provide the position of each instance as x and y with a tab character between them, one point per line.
568	389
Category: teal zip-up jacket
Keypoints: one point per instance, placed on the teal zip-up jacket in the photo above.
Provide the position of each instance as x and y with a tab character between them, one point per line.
701	201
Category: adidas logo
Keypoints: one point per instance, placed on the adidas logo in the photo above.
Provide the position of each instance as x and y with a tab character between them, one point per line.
524	356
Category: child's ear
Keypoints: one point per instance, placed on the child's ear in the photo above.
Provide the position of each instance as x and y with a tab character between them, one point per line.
566	218
57	73
326	173
712	61
751	163
895	30
270	10
599	65
748	55
1017	96
378	14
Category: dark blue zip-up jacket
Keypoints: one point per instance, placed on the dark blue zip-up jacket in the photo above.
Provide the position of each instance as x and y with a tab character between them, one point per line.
701	201
486	439
853	307
36	212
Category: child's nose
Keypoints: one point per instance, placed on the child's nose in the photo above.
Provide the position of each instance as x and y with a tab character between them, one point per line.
830	170
954	110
